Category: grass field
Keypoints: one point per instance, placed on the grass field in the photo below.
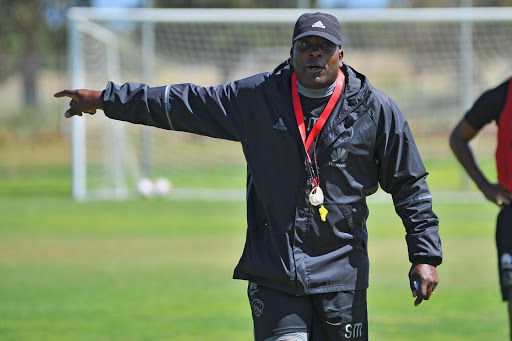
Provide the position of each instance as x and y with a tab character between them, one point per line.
161	269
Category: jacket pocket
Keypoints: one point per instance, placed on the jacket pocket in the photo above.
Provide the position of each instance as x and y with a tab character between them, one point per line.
338	224
256	212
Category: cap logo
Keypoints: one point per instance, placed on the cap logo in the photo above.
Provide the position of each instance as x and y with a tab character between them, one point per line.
318	24
325	25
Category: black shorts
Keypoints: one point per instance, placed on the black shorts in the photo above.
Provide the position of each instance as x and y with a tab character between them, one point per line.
319	317
504	245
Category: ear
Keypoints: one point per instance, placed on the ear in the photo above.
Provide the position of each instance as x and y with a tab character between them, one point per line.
341	57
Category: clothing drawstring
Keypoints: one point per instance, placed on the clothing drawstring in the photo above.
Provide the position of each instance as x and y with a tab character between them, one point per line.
283	65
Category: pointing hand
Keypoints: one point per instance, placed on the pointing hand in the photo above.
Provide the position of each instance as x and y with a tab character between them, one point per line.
82	101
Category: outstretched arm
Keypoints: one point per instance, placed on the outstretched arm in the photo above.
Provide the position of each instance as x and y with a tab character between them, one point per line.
459	143
82	101
209	111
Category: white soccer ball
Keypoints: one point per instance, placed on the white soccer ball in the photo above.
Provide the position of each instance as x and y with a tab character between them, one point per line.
162	187
145	187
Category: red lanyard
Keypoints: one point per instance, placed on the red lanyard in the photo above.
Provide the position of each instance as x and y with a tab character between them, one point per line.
323	117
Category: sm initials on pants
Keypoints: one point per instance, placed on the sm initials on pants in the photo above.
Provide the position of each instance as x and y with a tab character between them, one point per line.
353	331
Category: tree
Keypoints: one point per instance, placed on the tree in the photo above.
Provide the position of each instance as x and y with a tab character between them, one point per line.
27	39
21	32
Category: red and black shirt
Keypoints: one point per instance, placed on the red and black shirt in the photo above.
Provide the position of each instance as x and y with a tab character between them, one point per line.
496	105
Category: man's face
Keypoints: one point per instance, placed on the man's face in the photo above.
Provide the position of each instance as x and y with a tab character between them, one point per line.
316	61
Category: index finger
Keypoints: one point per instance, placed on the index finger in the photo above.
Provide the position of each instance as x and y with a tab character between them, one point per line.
419	297
69	93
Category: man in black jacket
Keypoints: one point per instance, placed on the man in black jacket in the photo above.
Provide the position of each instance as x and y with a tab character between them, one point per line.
318	139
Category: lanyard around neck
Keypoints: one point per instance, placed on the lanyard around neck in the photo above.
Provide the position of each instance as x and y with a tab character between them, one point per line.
299	116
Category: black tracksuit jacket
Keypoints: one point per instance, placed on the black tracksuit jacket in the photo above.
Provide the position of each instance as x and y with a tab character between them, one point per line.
366	142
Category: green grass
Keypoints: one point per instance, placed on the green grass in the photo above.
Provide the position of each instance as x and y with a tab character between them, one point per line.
161	270
158	270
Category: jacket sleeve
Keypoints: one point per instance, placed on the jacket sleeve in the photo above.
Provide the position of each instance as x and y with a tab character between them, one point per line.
209	111
403	175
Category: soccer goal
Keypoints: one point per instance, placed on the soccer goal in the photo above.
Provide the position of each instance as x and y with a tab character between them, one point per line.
432	62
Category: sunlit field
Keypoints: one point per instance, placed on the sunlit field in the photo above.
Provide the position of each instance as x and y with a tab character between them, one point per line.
160	269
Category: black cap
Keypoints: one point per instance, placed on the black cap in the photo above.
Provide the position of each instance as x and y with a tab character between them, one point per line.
318	24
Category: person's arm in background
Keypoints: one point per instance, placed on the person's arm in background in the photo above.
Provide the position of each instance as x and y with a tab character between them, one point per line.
459	143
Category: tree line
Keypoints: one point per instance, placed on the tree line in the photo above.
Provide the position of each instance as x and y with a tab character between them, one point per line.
33	32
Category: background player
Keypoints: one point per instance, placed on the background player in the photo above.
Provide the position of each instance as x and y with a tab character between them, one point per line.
493	105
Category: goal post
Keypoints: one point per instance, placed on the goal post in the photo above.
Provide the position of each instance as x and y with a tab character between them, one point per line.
431	61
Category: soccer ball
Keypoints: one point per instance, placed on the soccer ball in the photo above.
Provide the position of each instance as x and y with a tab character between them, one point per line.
162	187
145	187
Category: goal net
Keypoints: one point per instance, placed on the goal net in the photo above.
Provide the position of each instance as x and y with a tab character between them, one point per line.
432	62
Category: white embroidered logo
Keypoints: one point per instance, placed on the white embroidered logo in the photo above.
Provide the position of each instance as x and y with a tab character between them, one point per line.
506	261
506	267
339	157
280	125
318	24
346	135
253	288
257	307
353	331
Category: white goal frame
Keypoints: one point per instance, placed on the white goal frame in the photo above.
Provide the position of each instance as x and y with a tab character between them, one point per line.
82	20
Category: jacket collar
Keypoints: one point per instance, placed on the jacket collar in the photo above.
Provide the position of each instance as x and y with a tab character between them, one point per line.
352	102
355	94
